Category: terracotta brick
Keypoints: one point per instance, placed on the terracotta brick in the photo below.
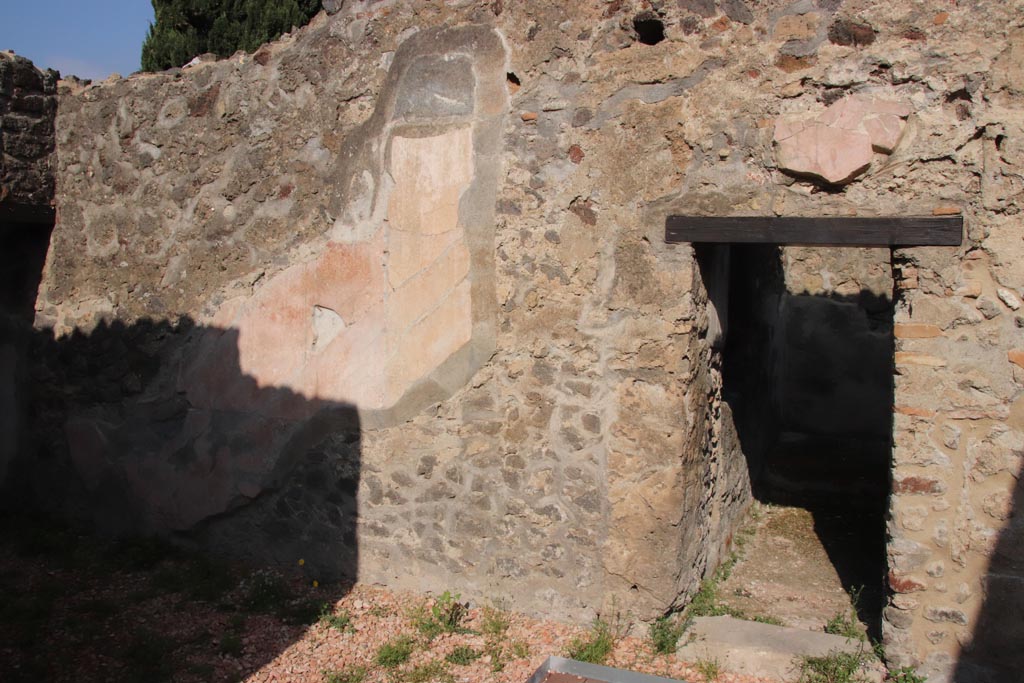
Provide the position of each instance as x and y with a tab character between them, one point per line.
916	331
904	584
946	211
914	412
917	485
1016	356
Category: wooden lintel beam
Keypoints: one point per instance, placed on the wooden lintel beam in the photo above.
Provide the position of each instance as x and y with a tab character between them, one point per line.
842	231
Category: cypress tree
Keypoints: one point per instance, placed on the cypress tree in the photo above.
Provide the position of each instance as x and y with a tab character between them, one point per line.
183	29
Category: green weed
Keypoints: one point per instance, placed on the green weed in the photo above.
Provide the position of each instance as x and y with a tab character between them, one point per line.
665	633
495	649
395	652
710	669
494	621
339	621
906	674
444	616
846	623
768	619
462	655
595	647
520	650
835	667
352	674
705	601
431	672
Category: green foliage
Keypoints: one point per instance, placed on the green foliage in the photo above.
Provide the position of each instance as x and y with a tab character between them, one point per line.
340	621
520	650
705	602
846	623
395	652
665	633
710	669
184	29
768	619
462	655
906	674
444	616
448	611
352	674
835	667
431	672
494	621
594	648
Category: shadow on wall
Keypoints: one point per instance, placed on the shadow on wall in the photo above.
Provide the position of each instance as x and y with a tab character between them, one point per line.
994	654
125	449
808	381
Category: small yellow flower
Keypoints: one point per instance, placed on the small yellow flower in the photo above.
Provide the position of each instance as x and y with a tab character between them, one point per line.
302	562
315	583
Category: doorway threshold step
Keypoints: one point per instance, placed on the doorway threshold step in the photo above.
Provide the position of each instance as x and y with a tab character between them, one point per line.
755	649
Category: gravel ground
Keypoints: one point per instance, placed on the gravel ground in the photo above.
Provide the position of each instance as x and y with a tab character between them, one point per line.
74	609
379	616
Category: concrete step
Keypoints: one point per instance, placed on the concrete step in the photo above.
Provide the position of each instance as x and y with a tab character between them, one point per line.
754	649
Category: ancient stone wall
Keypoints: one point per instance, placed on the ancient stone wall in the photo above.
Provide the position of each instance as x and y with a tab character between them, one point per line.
344	302
27	108
28	104
411	309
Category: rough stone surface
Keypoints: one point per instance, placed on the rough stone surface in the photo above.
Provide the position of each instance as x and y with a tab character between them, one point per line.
28	104
756	649
837	145
564	443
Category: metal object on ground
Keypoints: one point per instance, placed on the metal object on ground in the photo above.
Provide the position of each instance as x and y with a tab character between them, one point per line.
562	670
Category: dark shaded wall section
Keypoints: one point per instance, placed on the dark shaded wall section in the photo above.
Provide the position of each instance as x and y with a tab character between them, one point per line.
28	106
832	378
270	484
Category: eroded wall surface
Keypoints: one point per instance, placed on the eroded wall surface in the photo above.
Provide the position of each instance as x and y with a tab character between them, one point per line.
552	431
342	301
28	104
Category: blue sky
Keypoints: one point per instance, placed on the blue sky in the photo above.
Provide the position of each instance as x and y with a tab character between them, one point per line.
85	38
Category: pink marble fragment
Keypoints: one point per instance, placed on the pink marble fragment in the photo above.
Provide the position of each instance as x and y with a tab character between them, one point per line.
835	155
838	144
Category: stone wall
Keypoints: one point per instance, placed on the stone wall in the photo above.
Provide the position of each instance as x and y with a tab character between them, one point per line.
410	307
27	108
349	304
28	105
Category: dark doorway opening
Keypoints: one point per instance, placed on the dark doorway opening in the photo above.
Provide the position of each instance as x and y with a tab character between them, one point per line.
807	371
23	247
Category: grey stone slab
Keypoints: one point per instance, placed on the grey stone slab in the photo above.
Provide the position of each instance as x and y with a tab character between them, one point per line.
756	649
